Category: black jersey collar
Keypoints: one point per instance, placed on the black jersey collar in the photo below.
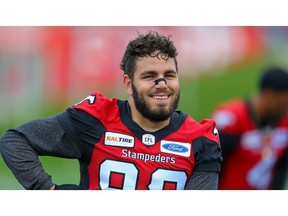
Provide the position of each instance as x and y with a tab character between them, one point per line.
175	123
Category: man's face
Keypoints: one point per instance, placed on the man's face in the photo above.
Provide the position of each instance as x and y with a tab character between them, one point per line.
155	102
279	104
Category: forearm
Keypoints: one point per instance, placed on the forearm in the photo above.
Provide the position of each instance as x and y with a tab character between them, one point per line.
20	148
203	181
23	161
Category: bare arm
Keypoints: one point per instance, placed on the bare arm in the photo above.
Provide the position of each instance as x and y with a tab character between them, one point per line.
20	148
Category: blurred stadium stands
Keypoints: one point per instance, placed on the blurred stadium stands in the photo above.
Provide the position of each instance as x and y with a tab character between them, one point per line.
42	65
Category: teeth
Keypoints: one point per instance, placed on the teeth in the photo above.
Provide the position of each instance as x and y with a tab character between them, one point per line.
160	97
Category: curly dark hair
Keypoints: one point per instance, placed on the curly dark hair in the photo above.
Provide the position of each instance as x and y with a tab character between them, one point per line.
275	78
146	45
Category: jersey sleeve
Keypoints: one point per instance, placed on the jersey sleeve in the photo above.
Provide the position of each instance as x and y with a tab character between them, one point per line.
203	181
97	105
89	104
231	117
21	146
228	122
206	148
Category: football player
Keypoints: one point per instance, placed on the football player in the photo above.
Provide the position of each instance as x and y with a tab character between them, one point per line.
254	135
141	143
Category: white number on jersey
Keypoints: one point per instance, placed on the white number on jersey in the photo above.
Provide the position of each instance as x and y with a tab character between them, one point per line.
130	176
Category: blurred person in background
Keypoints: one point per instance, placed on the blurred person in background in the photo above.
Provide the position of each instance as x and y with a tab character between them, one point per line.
254	135
141	143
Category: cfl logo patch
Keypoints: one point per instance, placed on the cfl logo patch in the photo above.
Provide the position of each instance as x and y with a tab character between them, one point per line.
148	139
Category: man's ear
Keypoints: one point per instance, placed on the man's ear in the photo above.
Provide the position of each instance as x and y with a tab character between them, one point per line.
128	84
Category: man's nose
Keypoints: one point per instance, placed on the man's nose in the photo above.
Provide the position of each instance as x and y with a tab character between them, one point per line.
160	82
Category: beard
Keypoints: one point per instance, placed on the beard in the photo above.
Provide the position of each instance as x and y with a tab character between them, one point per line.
158	115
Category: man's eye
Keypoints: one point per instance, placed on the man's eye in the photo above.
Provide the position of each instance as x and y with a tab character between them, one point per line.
147	77
170	76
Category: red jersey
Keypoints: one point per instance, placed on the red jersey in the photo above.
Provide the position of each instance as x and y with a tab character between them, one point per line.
252	163
121	155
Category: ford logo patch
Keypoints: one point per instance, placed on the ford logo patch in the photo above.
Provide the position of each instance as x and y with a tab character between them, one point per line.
175	147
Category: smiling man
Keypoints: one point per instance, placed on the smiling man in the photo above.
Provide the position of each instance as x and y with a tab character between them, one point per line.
141	143
157	94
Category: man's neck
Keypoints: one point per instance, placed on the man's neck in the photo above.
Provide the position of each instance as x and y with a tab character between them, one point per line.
258	106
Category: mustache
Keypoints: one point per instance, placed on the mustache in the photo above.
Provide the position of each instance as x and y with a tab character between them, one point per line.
163	91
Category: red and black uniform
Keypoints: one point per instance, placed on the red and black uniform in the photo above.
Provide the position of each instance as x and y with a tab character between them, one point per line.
254	152
121	155
113	151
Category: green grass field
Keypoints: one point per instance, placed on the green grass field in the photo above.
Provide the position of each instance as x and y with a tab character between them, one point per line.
199	95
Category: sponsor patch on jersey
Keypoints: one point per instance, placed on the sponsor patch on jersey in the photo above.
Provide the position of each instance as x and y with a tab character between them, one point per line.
178	148
148	139
117	139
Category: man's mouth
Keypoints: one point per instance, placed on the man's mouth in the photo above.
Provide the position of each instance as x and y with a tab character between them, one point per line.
160	97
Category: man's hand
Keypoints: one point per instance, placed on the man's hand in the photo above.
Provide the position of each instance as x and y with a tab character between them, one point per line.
52	188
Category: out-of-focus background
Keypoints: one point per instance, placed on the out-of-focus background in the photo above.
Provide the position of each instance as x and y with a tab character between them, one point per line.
43	70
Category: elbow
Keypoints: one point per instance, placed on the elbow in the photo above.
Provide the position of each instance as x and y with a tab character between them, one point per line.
3	145
6	143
